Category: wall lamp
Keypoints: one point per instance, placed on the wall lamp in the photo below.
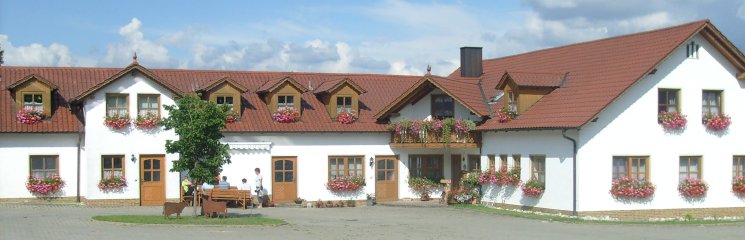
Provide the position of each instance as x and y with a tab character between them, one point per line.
134	159
372	162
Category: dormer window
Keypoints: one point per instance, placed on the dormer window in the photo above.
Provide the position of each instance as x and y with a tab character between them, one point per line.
344	104
512	101
226	101
33	101
285	101
442	106
33	93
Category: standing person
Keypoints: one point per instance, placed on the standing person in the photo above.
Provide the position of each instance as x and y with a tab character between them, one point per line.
259	187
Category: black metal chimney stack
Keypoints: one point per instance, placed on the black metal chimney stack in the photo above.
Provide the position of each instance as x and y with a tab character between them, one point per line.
470	62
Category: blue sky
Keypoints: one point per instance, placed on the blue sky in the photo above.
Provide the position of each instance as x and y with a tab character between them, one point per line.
391	36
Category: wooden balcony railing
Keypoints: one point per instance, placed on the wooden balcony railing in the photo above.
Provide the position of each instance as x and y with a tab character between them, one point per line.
430	139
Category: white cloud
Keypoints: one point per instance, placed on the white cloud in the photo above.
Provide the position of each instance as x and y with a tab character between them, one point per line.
741	11
149	53
36	54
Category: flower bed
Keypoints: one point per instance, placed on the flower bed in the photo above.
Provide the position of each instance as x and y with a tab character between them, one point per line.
422	186
716	122
738	185
505	115
117	121
692	187
29	116
286	115
112	183
672	121
44	186
346	117
345	184
533	188
631	188
465	195
147	121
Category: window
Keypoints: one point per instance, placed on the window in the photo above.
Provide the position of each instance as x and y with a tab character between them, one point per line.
512	101
538	168
442	106
429	166
516	161
112	166
148	104
712	103
474	163
224	100
491	162
345	167
44	166
116	105
343	104
667	100
738	166
692	50
33	101
502	162
690	167
632	167
285	101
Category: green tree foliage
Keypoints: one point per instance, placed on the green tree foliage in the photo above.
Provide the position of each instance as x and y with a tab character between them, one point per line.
198	124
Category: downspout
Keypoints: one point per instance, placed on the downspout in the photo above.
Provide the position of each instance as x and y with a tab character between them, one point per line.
574	170
80	140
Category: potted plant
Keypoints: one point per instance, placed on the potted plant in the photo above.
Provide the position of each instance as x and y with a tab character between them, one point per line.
44	186
117	121
533	188
346	117
112	183
345	184
672	121
692	187
286	115
422	186
147	121
470	180
464	195
371	199
716	122
631	188
29	116
738	185
299	202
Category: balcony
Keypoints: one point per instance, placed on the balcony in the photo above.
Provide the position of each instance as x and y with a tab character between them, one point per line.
431	139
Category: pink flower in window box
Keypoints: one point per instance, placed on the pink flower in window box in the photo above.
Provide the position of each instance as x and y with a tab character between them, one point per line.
147	121
346	117
345	184
672	121
117	121
29	116
231	117
286	115
717	122
693	187
533	188
631	188
112	183
738	185
44	186
505	115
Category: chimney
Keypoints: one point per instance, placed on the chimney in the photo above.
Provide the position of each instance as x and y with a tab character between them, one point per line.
470	62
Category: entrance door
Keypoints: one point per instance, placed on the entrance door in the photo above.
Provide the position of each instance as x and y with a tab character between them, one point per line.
386	180
152	180
456	170
284	179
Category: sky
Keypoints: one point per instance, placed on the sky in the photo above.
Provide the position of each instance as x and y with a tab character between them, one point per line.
389	36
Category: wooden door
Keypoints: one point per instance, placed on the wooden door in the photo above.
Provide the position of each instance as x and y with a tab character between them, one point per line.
456	170
386	178
152	180
284	179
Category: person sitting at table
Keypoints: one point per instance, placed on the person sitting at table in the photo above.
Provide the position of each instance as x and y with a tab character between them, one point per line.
187	186
224	184
244	185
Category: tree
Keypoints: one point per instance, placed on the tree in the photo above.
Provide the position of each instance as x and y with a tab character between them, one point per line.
198	124
2	52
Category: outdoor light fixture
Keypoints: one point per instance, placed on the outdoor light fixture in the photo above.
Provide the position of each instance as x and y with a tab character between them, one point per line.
372	162
134	159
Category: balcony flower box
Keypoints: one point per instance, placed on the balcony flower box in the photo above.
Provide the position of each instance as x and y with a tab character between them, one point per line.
717	122
432	131
533	188
345	184
29	116
346	117
630	188
671	121
692	188
44	186
738	185
147	121
112	183
505	115
117	121
286	115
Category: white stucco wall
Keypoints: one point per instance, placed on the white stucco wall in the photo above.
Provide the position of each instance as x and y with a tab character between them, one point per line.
558	168
101	140
422	109
628	127
16	150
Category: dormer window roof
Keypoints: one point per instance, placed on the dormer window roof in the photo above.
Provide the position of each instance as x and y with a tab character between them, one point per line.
33	92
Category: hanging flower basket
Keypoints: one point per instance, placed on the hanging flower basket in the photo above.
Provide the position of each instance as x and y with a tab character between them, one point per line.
45	186
533	188
505	115
117	121
346	117
672	121
738	186
29	116
631	188
345	184
112	183
147	121
692	188
717	122
286	115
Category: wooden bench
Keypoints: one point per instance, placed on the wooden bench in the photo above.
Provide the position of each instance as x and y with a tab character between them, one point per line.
242	197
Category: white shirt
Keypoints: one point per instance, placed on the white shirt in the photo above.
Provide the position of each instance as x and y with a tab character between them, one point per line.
244	186
258	181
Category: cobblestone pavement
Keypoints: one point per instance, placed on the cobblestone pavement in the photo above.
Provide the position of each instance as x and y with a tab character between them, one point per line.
29	221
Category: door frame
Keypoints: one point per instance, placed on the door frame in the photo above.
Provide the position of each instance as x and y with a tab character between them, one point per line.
295	175
395	173
162	158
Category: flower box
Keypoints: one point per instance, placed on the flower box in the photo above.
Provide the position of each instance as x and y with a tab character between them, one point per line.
117	121
147	121
693	188
346	117
112	183
501	178
432	131
231	117
671	121
738	185
631	188
533	188
345	184
286	115
29	116
505	115
44	186
717	122
422	186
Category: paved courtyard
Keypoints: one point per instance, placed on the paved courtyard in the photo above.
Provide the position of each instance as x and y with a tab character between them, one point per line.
25	221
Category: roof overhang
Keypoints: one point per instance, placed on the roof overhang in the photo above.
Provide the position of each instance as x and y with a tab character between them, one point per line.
32	77
132	68
417	91
273	85
217	82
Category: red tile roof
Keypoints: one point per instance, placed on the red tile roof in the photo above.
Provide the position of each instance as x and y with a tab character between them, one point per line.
466	93
532	79
273	84
332	85
217	82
